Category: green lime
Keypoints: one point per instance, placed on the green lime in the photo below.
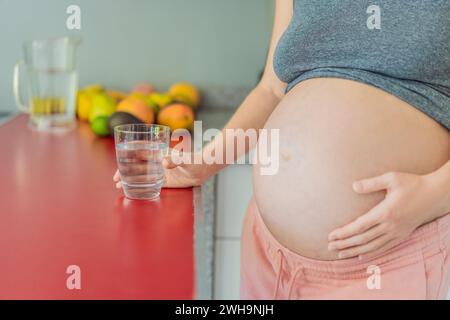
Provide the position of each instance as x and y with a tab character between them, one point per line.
100	126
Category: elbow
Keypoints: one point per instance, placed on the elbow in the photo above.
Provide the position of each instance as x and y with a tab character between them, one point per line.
273	87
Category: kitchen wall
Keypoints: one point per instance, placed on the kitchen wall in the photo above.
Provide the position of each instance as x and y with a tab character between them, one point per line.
212	43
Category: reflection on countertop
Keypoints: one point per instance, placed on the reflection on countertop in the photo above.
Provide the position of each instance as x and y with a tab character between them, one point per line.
204	205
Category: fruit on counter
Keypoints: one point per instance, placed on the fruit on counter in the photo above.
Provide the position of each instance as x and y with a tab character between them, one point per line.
160	100
176	116
146	99
143	87
102	105
84	100
116	95
106	108
186	93
138	108
100	126
84	105
119	118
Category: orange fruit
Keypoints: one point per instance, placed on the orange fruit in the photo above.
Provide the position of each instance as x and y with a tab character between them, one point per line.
137	108
176	116
116	95
146	99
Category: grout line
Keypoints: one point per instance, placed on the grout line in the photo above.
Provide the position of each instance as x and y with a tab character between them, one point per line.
5	118
214	230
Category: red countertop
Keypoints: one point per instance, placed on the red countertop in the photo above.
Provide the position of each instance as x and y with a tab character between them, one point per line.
59	207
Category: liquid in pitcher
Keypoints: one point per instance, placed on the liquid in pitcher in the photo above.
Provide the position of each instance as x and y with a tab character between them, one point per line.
53	97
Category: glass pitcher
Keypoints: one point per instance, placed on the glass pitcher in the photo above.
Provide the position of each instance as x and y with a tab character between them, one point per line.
52	83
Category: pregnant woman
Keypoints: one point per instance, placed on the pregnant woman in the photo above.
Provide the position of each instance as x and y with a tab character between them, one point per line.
360	91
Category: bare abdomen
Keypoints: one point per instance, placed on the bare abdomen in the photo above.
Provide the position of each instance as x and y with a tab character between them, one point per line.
333	132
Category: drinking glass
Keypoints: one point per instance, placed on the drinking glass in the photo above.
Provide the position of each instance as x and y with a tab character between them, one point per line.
140	149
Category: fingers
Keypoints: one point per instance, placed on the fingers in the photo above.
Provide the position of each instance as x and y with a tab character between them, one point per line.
127	155
379	183
388	245
138	168
116	176
119	185
180	158
177	158
358	239
360	225
168	163
365	248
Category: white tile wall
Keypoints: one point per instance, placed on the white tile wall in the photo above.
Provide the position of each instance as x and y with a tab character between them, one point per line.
226	269
234	190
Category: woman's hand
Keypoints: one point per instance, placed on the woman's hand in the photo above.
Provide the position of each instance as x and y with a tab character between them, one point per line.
411	200
176	175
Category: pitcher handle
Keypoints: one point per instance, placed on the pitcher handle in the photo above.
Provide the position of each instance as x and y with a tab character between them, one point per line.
16	84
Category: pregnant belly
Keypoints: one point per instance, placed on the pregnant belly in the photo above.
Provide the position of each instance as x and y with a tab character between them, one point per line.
333	132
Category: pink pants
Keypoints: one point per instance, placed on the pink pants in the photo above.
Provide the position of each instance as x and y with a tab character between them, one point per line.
417	268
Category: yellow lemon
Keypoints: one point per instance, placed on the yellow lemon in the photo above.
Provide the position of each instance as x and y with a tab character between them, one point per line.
84	105
186	93
102	105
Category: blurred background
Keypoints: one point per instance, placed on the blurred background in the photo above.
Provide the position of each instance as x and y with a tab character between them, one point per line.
219	46
214	44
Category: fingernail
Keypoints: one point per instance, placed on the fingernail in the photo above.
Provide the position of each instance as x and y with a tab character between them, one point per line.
341	255
356	186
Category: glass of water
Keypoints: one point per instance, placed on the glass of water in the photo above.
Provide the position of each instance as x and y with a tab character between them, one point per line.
140	149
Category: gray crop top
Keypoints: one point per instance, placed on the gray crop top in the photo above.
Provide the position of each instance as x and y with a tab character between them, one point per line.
401	47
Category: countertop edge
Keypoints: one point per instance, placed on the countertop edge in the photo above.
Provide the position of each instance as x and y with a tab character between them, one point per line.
204	216
9	118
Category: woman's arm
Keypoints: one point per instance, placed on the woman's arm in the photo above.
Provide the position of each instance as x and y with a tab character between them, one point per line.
252	114
260	103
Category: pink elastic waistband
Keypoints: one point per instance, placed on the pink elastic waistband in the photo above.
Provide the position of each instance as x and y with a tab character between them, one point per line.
429	239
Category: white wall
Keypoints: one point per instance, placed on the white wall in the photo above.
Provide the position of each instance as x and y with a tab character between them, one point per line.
208	42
